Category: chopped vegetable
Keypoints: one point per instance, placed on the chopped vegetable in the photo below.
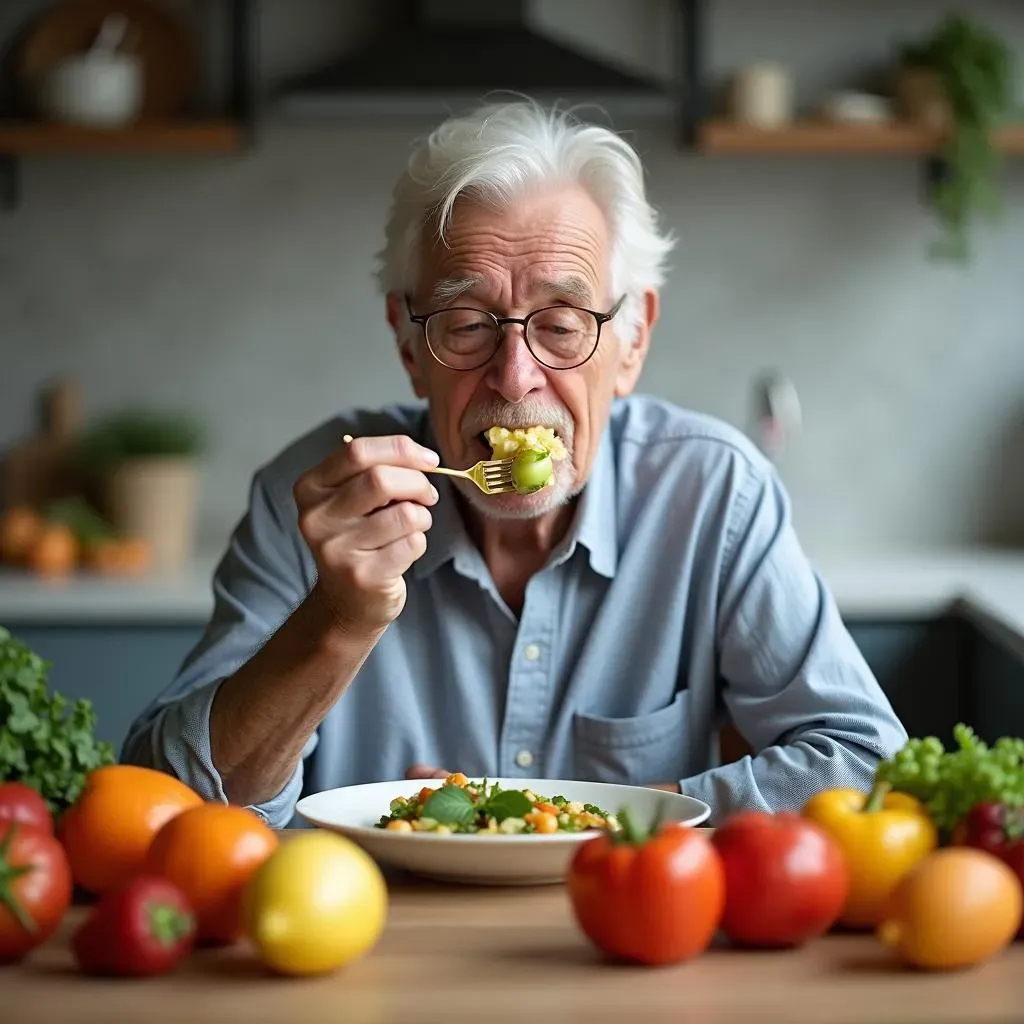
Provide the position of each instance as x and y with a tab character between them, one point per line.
882	835
950	783
462	806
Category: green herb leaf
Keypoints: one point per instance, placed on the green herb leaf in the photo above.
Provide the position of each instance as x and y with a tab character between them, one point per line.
509	803
449	805
44	742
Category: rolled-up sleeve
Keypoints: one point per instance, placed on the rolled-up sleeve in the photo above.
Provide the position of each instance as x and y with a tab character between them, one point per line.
794	681
257	584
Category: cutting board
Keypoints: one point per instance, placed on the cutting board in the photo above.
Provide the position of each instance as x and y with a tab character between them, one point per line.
38	470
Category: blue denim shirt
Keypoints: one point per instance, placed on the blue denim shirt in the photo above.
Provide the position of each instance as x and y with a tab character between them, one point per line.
680	591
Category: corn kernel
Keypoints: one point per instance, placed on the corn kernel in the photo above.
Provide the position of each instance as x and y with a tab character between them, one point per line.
398	825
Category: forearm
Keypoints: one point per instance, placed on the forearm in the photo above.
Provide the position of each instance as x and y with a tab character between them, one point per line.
786	776
263	715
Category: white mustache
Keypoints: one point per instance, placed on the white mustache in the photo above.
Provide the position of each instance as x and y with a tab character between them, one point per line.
521	415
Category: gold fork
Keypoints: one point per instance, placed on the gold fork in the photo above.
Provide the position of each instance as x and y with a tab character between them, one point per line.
492	476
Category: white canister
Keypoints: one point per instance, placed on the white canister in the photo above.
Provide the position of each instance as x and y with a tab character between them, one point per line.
762	96
95	90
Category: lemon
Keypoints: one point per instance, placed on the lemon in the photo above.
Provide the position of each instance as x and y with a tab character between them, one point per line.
317	903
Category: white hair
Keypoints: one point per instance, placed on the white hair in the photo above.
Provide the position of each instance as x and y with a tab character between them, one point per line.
495	154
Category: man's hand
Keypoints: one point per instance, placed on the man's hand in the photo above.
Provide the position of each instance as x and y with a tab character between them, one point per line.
424	771
364	513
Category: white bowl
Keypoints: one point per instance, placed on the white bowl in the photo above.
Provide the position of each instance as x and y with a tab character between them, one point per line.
485	859
94	90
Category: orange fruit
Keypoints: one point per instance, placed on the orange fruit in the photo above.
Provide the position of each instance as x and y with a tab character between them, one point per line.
210	853
19	528
54	552
107	830
118	557
957	908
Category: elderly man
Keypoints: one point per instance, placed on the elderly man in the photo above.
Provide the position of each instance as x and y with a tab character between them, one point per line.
373	620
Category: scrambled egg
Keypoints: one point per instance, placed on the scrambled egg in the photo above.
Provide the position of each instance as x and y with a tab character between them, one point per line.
506	443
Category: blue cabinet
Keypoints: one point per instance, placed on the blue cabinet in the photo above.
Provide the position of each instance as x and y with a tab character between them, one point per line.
120	668
920	666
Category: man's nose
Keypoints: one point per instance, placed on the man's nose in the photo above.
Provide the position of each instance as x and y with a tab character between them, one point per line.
513	372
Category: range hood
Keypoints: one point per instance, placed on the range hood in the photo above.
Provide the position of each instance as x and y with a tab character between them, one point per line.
433	56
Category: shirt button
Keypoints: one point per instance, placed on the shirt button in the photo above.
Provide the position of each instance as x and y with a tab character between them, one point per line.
524	759
531	652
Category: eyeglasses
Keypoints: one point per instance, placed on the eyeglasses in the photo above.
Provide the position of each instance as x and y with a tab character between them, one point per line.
558	337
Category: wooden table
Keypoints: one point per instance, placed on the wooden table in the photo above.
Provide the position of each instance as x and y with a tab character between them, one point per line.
464	954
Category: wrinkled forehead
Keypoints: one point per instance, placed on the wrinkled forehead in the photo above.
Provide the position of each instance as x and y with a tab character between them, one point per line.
572	289
552	245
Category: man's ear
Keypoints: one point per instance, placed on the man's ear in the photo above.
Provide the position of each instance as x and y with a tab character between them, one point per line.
405	339
631	361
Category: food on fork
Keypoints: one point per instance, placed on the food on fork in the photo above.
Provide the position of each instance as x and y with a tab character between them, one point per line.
534	451
463	806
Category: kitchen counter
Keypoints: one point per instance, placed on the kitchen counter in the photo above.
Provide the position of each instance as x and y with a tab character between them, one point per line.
984	583
453	953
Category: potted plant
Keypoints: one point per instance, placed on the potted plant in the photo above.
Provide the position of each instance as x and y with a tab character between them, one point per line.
147	466
959	81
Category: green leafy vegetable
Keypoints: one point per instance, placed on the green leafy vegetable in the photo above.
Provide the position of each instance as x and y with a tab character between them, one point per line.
950	782
44	742
510	803
449	805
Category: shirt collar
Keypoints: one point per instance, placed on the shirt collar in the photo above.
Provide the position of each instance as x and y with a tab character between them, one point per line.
595	525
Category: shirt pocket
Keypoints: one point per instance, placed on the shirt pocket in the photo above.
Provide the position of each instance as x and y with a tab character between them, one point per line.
644	749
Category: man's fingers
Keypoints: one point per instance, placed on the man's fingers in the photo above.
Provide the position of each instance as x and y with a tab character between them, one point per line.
353	509
381	485
361	453
425	771
385	526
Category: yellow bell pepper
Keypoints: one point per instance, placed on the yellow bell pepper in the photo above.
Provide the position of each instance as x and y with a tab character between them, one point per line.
882	835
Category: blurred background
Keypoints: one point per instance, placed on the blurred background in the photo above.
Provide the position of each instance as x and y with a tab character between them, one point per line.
191	213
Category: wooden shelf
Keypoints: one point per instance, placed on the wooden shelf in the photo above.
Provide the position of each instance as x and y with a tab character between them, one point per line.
725	137
28	138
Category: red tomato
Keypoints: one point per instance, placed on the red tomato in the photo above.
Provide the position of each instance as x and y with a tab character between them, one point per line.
35	888
19	802
654	900
786	879
139	928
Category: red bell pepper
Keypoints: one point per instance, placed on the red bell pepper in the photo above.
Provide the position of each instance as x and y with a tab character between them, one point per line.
142	927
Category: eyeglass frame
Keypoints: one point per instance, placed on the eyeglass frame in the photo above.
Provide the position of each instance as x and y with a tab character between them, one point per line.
501	321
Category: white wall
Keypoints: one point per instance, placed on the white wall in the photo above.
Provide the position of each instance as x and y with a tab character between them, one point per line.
241	287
